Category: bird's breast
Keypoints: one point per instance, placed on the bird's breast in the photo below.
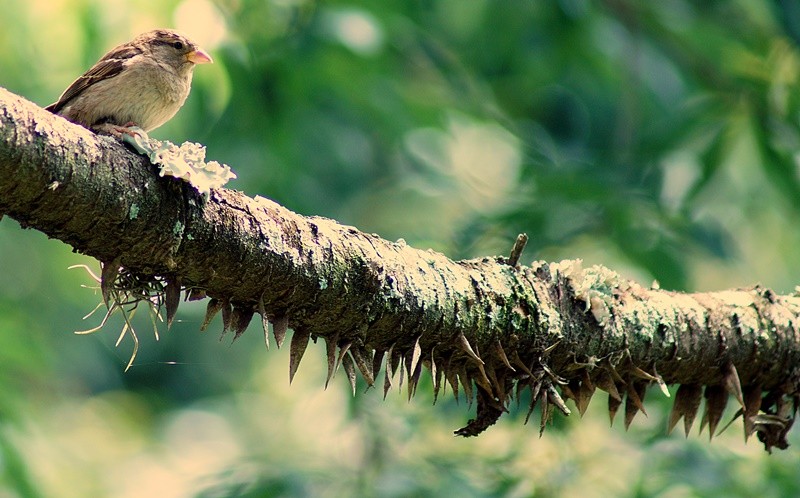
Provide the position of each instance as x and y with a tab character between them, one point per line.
161	94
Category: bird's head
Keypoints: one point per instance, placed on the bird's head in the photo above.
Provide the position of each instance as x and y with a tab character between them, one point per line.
175	49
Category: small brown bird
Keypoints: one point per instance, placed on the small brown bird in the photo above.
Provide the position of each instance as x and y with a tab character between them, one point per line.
140	83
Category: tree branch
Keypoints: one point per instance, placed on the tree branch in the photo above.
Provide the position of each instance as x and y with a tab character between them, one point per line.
483	326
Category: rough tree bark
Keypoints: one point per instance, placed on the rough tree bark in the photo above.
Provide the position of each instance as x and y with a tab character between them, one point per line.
488	327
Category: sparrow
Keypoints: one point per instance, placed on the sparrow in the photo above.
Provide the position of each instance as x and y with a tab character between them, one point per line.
141	83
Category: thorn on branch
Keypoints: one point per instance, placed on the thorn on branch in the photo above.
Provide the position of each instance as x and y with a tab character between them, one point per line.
172	298
362	360
436	376
716	401
452	379
535	387
349	368
634	401
264	320
465	346
279	326
296	350
687	401
212	308
752	401
413	378
613	406
388	372
730	379
330	355
342	352
227	312
466	383
544	406
377	361
392	362
241	319
585	393
607	384
501	353
557	400
416	352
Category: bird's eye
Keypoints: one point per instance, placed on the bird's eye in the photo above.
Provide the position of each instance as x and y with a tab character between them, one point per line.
178	45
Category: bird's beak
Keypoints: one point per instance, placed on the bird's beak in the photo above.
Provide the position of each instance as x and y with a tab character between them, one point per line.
199	57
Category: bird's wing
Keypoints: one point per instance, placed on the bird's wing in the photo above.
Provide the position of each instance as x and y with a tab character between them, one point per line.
107	67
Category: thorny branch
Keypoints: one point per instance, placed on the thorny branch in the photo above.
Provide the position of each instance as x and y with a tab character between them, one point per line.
488	328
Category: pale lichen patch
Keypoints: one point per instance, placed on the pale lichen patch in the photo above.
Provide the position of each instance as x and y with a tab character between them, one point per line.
186	161
595	286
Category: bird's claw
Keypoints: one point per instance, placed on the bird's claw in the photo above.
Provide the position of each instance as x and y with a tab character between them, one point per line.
118	131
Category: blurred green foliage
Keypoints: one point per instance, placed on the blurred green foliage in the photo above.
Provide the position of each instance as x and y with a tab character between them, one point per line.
658	138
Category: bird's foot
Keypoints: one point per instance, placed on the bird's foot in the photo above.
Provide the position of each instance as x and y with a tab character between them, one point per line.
118	131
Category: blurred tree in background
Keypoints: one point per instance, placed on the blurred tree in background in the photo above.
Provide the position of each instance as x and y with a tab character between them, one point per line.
657	138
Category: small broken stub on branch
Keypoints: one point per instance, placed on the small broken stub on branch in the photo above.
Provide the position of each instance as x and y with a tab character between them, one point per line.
516	251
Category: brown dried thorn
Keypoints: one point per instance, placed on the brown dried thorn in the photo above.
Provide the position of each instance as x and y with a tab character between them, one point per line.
297	348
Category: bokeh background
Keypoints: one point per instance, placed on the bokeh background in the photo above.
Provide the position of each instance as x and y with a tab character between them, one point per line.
657	138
